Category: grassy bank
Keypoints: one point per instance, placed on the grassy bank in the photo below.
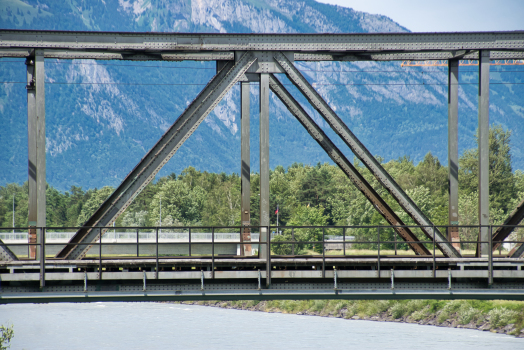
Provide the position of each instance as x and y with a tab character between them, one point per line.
496	316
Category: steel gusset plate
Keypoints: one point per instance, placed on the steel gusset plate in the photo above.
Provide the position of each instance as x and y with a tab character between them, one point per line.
6	254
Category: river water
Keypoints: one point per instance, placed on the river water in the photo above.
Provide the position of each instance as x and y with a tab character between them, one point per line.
175	326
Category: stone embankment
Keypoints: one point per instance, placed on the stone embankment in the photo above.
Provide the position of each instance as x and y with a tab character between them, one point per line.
454	314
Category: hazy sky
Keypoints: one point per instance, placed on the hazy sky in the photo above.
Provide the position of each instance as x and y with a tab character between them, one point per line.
445	15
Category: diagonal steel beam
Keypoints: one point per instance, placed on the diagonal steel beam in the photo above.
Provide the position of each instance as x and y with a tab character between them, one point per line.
365	156
517	252
158	156
6	254
507	227
338	157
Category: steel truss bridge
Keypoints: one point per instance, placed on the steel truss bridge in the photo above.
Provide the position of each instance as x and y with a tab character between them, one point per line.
436	270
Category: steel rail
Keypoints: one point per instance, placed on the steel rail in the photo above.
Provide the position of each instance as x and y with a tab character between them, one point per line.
345	165
364	155
159	155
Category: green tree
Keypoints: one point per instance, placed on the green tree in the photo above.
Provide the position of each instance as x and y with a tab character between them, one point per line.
93	203
308	216
180	203
501	180
6	335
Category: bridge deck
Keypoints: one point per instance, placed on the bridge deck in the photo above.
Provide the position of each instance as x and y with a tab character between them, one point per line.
227	278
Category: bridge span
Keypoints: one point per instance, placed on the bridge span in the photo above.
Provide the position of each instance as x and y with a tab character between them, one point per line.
443	261
358	268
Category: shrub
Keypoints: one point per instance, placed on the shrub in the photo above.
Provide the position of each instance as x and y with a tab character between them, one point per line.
469	314
442	316
380	306
397	310
414	305
453	306
500	317
420	314
318	305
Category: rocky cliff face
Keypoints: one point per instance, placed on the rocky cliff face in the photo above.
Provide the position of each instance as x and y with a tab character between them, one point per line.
102	116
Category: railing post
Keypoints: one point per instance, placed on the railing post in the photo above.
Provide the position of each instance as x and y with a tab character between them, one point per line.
293	239
434	250
190	241
100	255
323	252
268	258
378	255
344	240
42	257
156	268
137	245
490	256
395	235
212	252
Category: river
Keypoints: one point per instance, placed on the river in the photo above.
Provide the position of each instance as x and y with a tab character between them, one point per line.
177	326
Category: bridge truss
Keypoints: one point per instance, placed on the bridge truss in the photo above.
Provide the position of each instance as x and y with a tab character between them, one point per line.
260	58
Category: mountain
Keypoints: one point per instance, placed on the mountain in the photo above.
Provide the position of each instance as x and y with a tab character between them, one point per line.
96	133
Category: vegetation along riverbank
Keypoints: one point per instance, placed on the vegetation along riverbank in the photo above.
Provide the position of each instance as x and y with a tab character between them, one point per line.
505	317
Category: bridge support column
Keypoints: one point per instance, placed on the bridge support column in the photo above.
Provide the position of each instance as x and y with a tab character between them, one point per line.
453	167
264	166
245	170
483	147
31	154
36	148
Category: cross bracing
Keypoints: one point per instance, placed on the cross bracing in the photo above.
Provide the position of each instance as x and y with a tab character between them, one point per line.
248	58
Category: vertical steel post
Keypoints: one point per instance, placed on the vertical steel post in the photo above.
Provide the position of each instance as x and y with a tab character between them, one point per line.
31	154
378	251
395	236
100	255
323	252
268	262
264	165
156	267
42	257
245	169
453	167
40	139
212	252
137	245
490	255
190	241
293	240
434	253
483	139
344	240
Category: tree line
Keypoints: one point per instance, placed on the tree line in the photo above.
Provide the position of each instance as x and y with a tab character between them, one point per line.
305	194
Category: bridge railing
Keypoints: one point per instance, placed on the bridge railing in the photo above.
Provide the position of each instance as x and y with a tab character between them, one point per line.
285	240
206	242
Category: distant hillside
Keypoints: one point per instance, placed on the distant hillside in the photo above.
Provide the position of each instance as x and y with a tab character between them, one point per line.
97	133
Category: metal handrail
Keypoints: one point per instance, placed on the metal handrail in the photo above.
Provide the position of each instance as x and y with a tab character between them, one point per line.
41	245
